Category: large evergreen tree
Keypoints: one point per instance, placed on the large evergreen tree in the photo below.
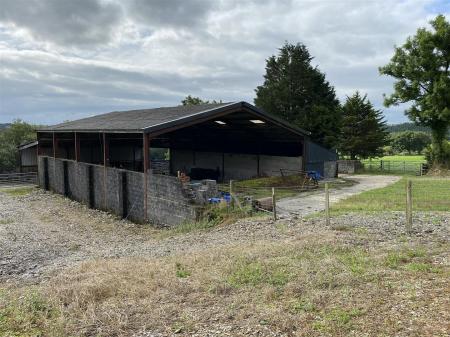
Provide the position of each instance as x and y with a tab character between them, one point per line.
363	132
421	68
298	92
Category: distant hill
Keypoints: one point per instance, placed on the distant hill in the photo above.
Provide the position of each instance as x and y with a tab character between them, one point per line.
407	127
4	125
410	127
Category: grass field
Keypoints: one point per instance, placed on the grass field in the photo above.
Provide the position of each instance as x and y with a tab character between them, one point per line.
429	194
405	165
417	158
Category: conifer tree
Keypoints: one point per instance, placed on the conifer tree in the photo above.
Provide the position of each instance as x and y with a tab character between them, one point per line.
298	92
363	132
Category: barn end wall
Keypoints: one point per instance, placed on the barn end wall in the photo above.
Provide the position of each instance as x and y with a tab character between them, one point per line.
167	201
235	166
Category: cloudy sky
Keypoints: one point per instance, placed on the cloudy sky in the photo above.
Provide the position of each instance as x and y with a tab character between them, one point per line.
62	60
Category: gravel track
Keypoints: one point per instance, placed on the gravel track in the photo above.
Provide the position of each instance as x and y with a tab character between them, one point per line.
43	232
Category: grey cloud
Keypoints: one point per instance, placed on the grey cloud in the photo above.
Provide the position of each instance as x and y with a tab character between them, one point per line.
65	22
215	50
170	13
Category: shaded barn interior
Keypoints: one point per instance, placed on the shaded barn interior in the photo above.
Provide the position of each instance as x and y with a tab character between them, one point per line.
235	144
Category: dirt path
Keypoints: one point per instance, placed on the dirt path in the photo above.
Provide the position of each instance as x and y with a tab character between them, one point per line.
314	202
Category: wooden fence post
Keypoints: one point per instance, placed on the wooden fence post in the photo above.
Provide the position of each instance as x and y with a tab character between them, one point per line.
274	204
327	204
408	206
231	193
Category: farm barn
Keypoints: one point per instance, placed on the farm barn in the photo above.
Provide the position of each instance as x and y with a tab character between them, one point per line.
128	162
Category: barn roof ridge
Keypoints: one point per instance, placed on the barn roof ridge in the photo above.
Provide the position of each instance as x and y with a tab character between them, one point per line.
157	119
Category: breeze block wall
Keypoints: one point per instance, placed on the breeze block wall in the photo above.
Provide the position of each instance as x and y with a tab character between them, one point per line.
135	195
120	192
167	202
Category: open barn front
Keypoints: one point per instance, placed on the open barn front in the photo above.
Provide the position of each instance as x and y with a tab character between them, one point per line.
130	162
239	145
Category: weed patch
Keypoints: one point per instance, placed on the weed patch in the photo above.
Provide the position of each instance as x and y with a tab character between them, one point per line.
181	271
27	315
255	273
18	192
336	320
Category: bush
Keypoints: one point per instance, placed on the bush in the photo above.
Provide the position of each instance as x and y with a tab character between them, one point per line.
431	156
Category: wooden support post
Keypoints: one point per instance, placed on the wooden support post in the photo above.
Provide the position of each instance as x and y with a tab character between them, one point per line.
409	206
145	151
274	204
77	147
105	164
327	204
105	150
55	145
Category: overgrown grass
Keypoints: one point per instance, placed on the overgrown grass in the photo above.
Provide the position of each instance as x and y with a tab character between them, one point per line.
17	192
429	194
214	215
311	286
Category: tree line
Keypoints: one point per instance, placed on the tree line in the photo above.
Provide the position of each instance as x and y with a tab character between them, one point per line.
299	93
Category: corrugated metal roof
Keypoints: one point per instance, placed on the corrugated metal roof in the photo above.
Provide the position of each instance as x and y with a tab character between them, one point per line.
26	145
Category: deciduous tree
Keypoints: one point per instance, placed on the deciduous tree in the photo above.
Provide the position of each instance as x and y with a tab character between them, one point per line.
421	69
12	136
410	141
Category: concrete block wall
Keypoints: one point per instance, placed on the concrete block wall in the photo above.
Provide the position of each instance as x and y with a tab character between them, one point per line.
330	169
349	166
236	166
98	176
167	203
167	199
114	193
135	195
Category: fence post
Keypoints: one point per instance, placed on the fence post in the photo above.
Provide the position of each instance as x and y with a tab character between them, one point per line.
274	204
231	193
408	206
327	204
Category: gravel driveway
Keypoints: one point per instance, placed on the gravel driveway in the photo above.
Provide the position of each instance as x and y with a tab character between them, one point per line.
306	204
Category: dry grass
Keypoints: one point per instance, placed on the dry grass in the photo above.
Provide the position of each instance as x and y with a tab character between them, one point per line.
331	283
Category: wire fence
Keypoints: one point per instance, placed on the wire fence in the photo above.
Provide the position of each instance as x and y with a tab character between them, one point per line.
244	196
409	196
